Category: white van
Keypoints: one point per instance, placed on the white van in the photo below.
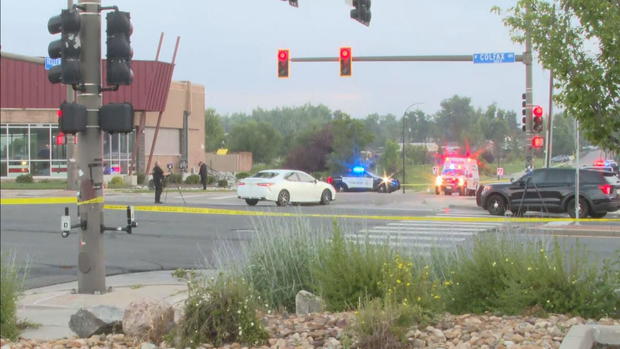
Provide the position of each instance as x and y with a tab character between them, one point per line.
458	175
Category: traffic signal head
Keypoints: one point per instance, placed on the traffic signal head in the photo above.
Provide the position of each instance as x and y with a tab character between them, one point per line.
524	112
72	118
119	51
537	119
345	61
293	3
538	142
68	47
283	61
361	11
116	118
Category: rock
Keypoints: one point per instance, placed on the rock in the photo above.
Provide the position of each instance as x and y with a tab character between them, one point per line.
148	319
555	331
306	303
148	346
96	320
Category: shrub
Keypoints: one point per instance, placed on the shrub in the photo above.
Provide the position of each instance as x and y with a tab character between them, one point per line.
222	183
116	180
11	284
224	310
381	324
210	179
242	175
141	178
348	272
279	259
192	179
26	178
175	178
510	276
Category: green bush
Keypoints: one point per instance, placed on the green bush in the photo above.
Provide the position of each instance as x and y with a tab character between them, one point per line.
26	178
175	178
348	272
509	276
141	178
192	179
222	183
117	180
242	175
11	284
224	310
279	259
381	324
210	179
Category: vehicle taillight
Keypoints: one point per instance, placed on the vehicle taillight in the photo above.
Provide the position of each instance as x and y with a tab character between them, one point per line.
605	188
241	183
330	180
264	184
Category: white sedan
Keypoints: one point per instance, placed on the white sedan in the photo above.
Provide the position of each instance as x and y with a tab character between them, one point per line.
284	187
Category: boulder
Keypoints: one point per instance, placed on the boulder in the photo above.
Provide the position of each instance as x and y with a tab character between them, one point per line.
148	320
101	319
306	303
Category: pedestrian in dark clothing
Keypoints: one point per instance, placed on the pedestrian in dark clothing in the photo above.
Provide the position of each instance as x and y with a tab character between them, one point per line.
158	182
203	175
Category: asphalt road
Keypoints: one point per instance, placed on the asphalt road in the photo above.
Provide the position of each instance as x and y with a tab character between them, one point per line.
166	240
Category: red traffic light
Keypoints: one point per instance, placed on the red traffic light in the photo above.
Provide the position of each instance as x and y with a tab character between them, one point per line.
537	111
538	142
283	59
345	61
60	138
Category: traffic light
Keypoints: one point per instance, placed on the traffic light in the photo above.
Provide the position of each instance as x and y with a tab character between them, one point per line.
538	142
345	61
119	52
68	48
116	118
524	112
283	63
361	11
293	3
72	118
537	119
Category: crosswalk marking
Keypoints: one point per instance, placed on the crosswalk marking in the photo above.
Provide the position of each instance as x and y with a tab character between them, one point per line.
422	235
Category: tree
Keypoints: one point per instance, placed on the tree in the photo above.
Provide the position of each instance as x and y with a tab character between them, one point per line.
311	153
455	119
389	159
214	131
349	137
579	41
257	137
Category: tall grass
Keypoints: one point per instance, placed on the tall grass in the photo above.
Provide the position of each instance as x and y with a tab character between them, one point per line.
11	284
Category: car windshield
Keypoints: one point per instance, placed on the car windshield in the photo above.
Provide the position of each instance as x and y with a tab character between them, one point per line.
452	172
265	174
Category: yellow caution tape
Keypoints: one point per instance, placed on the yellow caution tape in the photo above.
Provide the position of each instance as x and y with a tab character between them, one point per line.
97	200
38	201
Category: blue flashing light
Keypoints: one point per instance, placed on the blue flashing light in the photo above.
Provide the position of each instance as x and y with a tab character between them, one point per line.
358	169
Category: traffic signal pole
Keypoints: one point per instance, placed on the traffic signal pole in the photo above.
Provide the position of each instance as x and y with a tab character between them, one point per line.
72	166
91	262
527	60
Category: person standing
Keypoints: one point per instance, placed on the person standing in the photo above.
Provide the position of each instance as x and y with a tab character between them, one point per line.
158	181
203	175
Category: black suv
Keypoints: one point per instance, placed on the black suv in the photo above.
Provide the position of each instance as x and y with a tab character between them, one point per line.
553	190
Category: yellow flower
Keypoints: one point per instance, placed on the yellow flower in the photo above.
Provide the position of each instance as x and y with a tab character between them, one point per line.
494	264
419	298
529	268
437	296
506	260
398	281
409	284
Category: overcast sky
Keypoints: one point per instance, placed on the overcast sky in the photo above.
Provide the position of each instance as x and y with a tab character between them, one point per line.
230	47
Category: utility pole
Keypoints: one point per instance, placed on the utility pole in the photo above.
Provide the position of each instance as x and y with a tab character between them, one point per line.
549	147
72	166
91	262
403	150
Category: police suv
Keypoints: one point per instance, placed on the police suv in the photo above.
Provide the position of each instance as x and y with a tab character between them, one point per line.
359	179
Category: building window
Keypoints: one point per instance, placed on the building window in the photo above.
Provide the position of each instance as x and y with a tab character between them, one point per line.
116	153
18	163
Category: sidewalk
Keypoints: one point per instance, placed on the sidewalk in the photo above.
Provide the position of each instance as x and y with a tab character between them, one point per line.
52	306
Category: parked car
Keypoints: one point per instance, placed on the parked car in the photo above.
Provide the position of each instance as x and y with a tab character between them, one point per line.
284	187
553	190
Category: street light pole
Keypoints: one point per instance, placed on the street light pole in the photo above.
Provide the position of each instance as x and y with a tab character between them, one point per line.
403	150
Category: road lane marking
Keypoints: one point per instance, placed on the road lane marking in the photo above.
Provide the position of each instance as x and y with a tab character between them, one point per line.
215	211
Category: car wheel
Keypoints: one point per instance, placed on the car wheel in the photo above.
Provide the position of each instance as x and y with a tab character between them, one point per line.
496	205
598	214
471	192
382	189
283	198
583	208
342	188
447	192
251	202
326	197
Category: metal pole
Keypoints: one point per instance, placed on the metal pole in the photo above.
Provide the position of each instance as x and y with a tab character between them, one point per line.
91	263
403	152
527	59
550	122
577	146
72	166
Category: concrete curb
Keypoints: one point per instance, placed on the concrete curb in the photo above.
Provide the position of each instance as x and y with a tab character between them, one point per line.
586	336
